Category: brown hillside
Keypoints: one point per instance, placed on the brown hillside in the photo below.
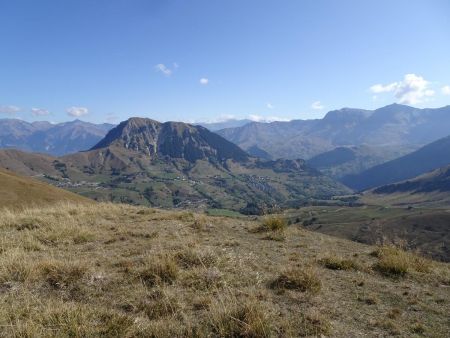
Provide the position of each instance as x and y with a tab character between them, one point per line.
17	191
111	270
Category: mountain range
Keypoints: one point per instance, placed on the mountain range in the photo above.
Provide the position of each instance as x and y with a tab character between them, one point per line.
395	126
427	158
55	139
173	164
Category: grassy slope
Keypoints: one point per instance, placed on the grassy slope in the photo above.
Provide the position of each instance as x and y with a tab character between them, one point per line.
423	229
17	191
118	270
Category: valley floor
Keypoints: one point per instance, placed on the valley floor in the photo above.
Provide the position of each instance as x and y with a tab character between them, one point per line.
117	270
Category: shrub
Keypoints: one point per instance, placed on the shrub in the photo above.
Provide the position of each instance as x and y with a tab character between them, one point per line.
273	223
298	279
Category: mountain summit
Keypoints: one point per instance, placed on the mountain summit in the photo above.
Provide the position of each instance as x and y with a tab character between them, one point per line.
172	139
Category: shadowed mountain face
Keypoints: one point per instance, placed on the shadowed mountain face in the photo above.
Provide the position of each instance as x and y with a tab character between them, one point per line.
427	158
428	190
54	139
172	164
394	126
436	181
343	161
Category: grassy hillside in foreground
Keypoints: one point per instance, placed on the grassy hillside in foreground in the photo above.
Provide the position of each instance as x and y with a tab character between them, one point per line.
118	270
17	191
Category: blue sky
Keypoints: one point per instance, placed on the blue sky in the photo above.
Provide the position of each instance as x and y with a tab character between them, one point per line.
197	60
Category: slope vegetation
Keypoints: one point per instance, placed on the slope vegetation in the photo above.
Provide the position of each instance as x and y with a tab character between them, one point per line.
17	191
123	271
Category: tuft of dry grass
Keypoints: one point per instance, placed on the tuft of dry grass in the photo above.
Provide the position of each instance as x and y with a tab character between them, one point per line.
190	257
304	280
395	262
159	304
15	266
159	270
233	318
60	275
312	324
273	223
337	263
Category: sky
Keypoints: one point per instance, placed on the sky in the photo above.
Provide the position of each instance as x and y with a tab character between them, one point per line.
211	60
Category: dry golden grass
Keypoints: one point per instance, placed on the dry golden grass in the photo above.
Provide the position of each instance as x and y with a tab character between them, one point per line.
396	262
113	270
273	223
304	280
337	263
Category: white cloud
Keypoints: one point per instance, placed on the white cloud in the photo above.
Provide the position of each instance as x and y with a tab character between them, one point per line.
412	89
259	118
162	68
204	81
270	105
379	88
445	90
39	112
10	110
317	105
77	111
112	118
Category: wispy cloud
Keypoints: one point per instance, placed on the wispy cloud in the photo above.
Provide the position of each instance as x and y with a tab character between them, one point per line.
204	81
270	106
445	90
77	111
39	112
412	89
317	105
165	70
112	118
259	118
9	110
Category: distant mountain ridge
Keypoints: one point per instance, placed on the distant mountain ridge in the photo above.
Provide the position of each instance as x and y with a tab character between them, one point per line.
427	158
393	125
231	123
55	139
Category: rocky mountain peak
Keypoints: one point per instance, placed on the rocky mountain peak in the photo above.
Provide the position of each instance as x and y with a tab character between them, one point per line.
172	139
